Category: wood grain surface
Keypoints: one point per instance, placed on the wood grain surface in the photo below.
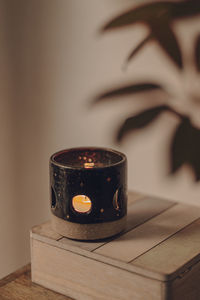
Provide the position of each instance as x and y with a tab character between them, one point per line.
138	241
84	278
157	257
152	222
186	242
18	286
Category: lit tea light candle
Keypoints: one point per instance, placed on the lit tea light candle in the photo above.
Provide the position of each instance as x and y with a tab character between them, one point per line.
81	204
88	192
89	165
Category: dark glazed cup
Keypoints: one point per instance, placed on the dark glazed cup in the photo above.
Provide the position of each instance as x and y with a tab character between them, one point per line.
88	192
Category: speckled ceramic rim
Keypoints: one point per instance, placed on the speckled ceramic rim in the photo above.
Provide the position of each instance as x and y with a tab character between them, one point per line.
122	157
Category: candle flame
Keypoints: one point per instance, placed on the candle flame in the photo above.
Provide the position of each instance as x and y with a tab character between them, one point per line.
88	165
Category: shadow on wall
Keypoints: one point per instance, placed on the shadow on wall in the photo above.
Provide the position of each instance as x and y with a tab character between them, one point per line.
159	18
52	67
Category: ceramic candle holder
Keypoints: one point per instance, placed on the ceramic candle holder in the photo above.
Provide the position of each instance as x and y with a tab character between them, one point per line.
88	192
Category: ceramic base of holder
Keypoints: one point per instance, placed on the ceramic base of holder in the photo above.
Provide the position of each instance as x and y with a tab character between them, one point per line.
95	231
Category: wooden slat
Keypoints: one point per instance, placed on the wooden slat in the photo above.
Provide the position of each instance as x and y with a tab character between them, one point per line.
175	252
46	230
137	241
187	286
83	245
145	209
134	196
138	212
84	278
18	286
11	277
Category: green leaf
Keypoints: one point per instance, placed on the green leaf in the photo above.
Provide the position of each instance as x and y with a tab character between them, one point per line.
140	120
144	14
197	53
128	90
166	38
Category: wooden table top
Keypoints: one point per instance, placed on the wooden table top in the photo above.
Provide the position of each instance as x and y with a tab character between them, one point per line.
18	286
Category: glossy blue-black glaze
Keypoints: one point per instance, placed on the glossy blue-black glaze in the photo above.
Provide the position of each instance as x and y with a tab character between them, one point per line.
105	184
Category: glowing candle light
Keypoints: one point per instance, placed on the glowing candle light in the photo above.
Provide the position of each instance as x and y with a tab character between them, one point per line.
89	165
88	192
81	203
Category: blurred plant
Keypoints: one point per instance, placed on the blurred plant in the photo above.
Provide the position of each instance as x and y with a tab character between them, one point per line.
159	18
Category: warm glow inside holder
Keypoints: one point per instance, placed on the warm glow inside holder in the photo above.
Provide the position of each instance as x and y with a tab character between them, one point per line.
88	192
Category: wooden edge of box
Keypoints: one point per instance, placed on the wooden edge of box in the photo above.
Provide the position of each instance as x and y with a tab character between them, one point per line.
100	258
53	239
179	273
81	277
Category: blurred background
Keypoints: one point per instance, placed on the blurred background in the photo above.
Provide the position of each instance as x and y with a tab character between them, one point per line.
53	63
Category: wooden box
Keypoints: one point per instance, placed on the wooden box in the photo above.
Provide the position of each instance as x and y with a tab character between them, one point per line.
156	258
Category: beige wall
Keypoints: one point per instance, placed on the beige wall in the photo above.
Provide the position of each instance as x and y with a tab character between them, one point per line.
52	63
